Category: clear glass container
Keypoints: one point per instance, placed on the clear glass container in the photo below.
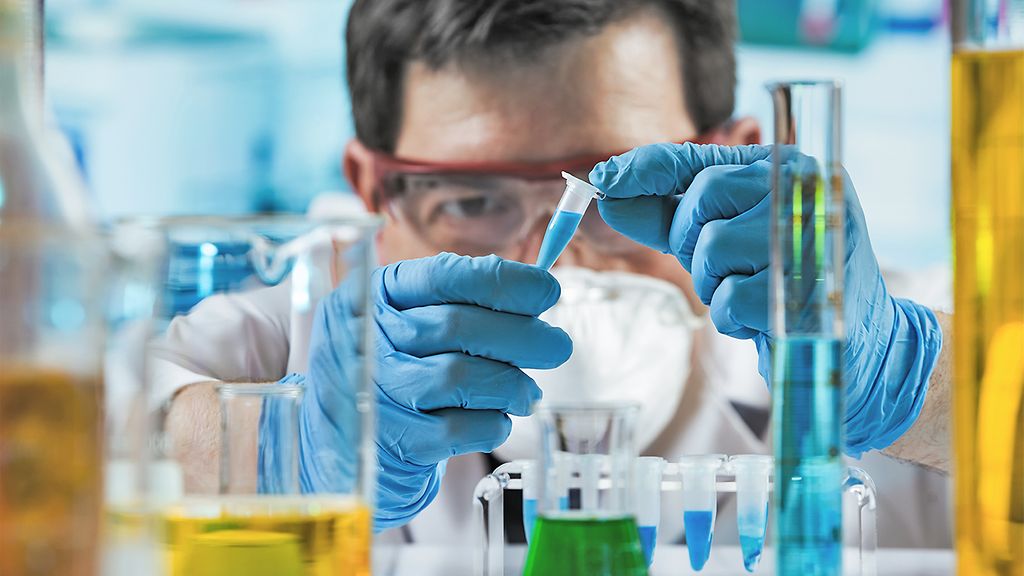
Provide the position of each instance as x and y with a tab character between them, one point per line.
239	300
596	444
38	179
808	336
988	242
53	287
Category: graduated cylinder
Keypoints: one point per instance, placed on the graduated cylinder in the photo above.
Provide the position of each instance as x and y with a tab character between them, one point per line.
988	229
807	280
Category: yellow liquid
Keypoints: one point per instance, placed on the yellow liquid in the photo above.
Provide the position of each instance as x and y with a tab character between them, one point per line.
272	536
988	223
50	473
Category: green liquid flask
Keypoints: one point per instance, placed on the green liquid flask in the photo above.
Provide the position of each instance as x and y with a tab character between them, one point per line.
599	536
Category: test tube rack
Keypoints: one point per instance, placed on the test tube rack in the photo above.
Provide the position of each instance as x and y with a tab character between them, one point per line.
488	501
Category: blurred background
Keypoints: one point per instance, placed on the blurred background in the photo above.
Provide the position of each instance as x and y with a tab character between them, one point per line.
231	106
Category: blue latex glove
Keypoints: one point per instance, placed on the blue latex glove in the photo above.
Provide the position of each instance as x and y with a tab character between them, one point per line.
452	334
710	206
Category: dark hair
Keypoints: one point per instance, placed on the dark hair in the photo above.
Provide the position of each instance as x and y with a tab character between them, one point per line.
383	36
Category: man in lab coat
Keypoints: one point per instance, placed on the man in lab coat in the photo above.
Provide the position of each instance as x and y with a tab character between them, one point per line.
465	113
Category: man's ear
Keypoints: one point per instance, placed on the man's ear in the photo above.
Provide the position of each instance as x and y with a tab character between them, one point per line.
357	164
745	130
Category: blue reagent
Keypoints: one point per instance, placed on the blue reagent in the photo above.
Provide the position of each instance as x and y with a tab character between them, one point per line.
560	230
699	527
752	547
648	536
529	516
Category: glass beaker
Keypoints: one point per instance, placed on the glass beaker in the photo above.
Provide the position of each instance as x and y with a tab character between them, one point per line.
807	294
52	302
128	542
599	535
237	465
988	240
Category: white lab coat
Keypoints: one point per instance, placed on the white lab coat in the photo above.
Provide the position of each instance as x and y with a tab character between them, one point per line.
257	336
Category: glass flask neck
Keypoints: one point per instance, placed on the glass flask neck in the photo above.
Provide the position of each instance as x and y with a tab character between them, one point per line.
16	49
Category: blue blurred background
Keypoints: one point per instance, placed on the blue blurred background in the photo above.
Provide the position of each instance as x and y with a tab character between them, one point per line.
233	106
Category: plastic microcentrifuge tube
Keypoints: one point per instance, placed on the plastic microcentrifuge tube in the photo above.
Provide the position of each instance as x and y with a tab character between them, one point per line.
752	472
563	478
529	479
575	200
590	478
700	503
528	475
648	502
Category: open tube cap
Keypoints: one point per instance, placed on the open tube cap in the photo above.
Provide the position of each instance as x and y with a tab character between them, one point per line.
578	194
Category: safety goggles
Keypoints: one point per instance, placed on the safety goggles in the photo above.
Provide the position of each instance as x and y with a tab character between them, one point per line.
484	208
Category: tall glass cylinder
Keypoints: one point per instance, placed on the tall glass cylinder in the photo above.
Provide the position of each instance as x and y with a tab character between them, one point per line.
51	357
988	239
259	468
807	295
36	180
598	533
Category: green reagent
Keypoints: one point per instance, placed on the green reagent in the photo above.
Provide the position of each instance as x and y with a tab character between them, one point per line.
585	546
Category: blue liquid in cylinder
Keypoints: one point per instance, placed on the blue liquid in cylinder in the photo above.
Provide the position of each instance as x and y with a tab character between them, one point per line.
699	527
807	398
648	537
560	230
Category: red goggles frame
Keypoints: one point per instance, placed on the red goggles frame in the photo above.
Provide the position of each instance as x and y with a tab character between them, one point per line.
385	164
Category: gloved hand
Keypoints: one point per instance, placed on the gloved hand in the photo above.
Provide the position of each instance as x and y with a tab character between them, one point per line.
452	334
710	206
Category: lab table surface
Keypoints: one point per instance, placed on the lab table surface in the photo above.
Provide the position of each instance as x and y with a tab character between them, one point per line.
422	560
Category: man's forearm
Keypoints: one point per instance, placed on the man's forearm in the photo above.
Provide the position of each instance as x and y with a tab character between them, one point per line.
927	442
193	430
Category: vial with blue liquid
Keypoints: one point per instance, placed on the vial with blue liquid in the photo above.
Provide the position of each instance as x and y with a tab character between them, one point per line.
647	481
566	219
700	504
752	472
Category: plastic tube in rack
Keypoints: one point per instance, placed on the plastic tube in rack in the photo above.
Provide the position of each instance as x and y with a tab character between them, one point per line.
700	504
529	479
590	477
647	482
563	478
752	472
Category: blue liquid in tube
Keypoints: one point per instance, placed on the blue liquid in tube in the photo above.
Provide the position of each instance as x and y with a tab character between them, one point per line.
752	547
560	230
699	527
648	536
529	516
752	540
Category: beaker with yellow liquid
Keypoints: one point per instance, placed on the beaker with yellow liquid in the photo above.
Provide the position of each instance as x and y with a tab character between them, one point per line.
51	353
230	480
988	337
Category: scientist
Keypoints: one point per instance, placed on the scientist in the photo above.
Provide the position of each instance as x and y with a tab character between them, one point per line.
465	113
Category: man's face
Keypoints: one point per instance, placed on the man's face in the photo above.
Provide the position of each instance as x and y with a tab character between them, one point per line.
594	96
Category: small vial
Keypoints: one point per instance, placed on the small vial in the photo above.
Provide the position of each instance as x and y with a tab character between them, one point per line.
575	200
752	472
647	481
700	504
